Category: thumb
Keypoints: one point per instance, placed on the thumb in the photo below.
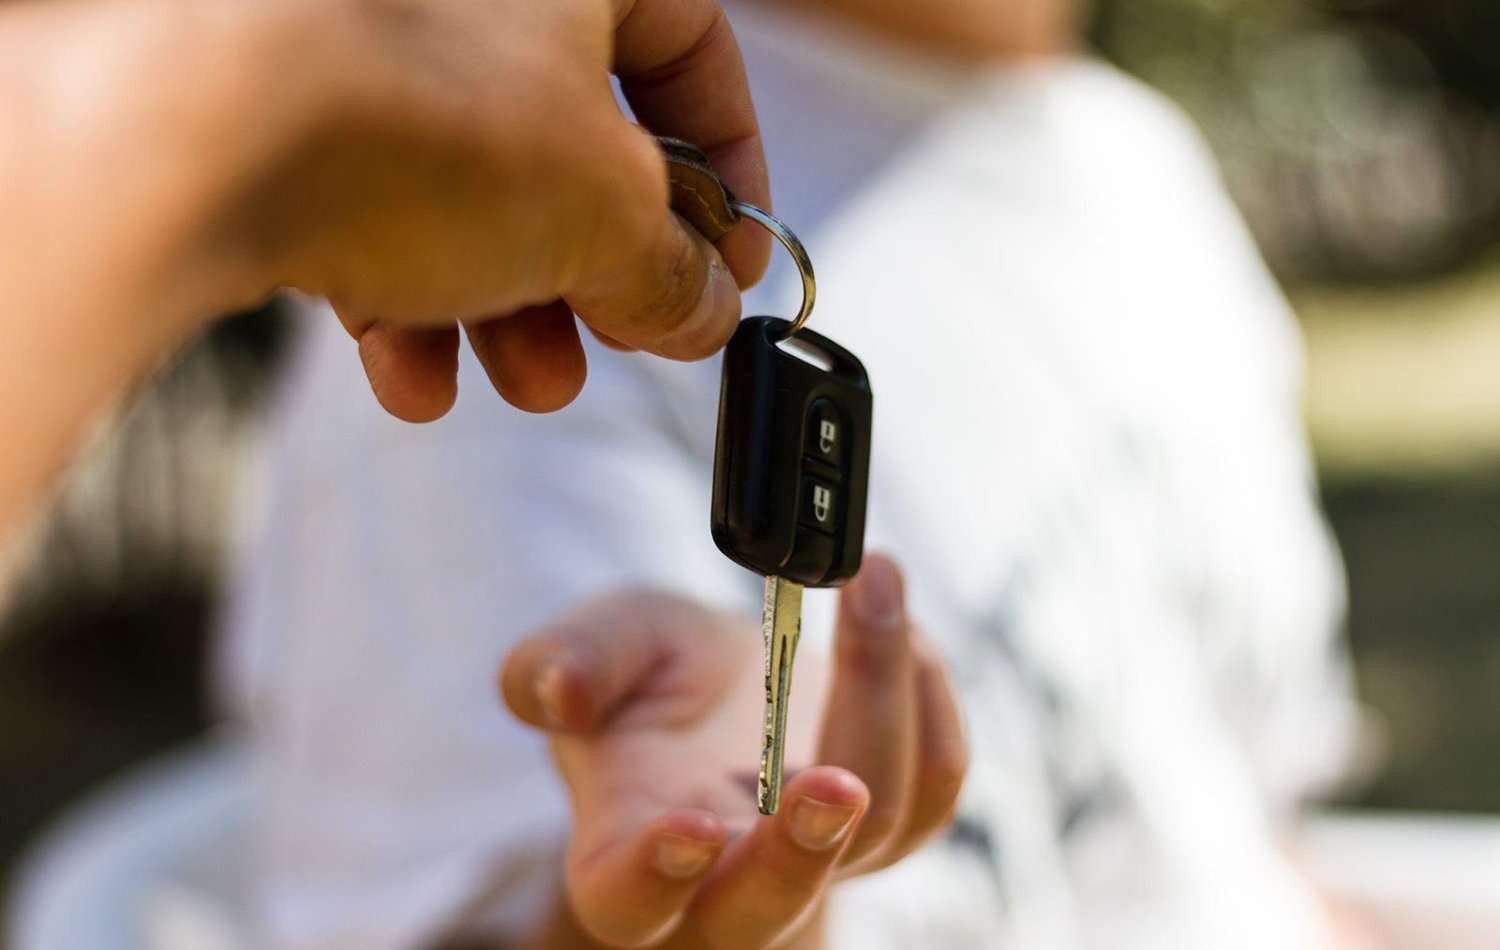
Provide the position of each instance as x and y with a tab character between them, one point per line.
652	281
576	673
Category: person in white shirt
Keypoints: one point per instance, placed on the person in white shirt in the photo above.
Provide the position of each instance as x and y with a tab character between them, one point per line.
1087	452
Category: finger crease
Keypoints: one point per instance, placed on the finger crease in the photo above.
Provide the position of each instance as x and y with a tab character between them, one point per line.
665	72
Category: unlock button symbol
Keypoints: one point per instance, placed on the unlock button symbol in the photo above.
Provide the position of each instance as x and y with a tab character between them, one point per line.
825	436
828	436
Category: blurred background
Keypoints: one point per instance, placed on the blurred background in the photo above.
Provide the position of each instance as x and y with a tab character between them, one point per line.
1362	140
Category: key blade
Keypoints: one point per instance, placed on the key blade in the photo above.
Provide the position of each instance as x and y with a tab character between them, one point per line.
781	627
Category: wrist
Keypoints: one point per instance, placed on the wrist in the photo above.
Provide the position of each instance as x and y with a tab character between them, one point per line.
236	100
170	115
278	78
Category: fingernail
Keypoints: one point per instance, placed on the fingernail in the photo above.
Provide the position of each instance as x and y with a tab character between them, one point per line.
818	826
713	319
875	595
550	684
681	858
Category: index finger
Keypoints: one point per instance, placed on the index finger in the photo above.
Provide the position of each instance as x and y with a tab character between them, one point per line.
771	877
681	70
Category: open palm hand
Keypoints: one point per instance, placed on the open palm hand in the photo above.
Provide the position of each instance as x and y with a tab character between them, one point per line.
653	705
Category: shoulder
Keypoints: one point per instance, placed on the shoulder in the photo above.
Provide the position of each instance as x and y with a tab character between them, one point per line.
1068	210
1073	136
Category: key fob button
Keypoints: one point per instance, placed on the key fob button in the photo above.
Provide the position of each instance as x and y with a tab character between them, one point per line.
825	433
815	548
820	505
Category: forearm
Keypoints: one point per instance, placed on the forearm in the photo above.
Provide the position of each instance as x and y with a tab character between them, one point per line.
111	167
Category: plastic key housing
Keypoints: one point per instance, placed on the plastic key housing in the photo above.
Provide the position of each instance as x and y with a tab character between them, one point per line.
792	461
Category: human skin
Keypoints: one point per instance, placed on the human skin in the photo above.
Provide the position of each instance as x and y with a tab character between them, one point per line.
425	164
659	766
646	700
965	29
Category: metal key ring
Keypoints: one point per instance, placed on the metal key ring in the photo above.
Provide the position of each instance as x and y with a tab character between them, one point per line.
794	246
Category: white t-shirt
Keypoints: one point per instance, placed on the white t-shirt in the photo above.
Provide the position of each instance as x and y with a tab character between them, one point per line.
1087	454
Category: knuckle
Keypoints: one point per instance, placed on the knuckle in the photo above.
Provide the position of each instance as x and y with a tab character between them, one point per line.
655	272
631	925
940	803
613	196
674	285
633	183
776	907
791	873
789	878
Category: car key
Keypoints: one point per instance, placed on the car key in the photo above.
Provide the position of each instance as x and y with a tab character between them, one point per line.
790	476
792	457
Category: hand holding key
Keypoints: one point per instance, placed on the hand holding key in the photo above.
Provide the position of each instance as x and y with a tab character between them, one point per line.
648	700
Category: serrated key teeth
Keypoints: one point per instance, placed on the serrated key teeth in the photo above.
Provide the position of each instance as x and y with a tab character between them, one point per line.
781	628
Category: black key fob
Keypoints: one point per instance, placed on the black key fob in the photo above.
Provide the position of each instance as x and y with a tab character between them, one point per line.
792	463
